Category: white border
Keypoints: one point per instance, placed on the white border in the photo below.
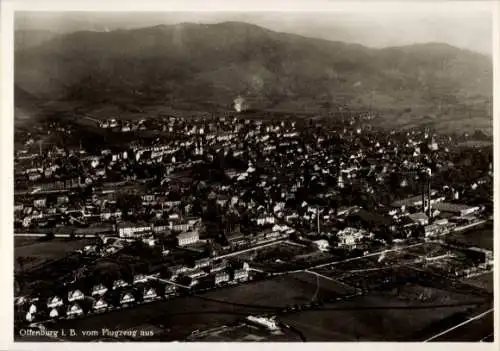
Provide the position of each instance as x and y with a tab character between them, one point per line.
6	73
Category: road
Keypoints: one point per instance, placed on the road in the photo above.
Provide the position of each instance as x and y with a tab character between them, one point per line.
253	248
329	278
475	330
40	235
350	259
167	281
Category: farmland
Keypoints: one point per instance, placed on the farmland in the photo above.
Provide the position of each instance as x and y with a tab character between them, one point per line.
378	316
482	237
182	315
36	252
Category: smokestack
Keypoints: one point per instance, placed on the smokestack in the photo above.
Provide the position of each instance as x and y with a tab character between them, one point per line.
317	216
424	181
428	179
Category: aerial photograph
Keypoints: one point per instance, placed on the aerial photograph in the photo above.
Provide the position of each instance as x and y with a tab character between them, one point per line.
254	176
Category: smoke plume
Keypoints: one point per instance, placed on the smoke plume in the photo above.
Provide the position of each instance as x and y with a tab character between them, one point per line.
239	104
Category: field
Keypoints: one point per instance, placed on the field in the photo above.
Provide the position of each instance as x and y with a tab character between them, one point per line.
37	253
244	333
379	317
477	330
483	281
282	251
180	316
482	237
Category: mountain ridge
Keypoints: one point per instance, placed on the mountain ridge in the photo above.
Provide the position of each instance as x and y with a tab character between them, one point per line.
213	63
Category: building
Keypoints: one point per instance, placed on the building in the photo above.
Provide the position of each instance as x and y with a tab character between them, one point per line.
178	269
30	317
196	274
179	225
240	275
140	278
416	201
236	238
127	298
322	245
221	277
203	262
133	230
268	323
74	310
149	294
99	289
456	209
54	313
100	305
436	229
265	219
119	283
75	295
40	203
170	290
188	238
350	237
218	266
54	302
419	218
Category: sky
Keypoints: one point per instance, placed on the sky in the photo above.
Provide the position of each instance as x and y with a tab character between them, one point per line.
466	24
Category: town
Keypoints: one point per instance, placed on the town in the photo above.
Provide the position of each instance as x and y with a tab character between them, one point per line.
170	208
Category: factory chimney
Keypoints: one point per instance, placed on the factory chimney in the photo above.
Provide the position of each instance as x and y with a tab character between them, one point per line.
428	184
317	217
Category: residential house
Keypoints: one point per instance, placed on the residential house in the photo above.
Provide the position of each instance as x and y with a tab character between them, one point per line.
108	215
40	203
64	199
178	269
322	245
149	294
100	305
170	290
193	221
350	237
127	298
140	278
30	317
133	230
218	266
203	262
99	289
236	239
178	225
75	295
221	277
74	310
265	219
54	302
54	313
188	238
119	283
240	275
419	218
148	199
161	227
